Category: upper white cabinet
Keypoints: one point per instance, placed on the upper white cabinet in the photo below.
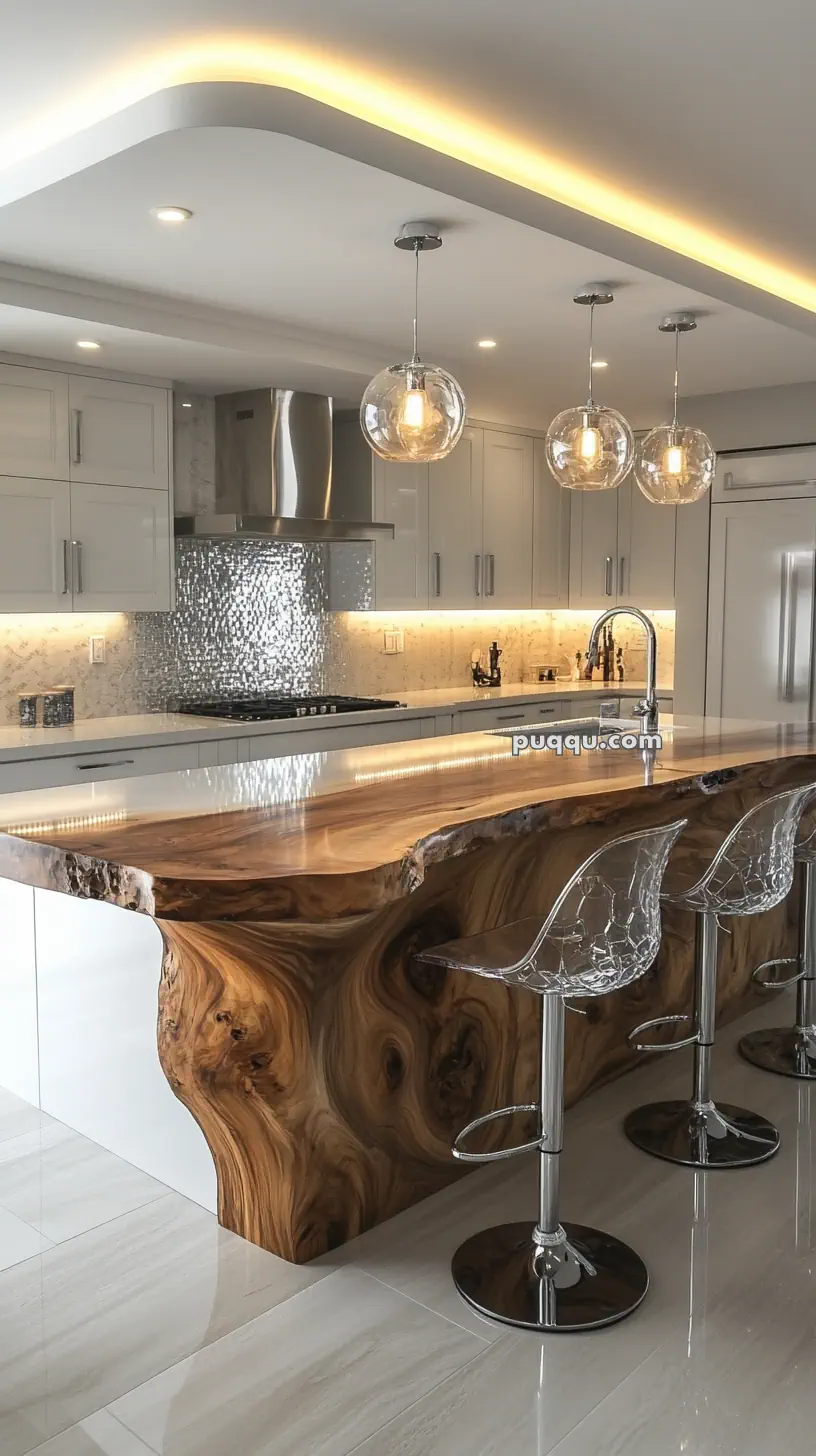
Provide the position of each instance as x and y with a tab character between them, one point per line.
85	501
507	514
765	474
120	549
33	423
401	564
455	515
119	433
622	549
551	535
35	545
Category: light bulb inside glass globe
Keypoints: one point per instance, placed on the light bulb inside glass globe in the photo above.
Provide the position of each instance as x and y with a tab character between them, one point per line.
674	465
589	448
413	412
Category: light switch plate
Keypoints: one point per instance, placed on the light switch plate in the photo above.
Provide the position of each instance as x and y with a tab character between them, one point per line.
98	650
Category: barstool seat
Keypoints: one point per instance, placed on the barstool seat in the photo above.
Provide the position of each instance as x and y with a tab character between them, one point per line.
601	934
791	1050
751	872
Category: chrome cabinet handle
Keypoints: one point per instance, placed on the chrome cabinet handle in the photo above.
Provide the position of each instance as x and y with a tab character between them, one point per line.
477	565
77	436
608	576
788	654
437	559
509	717
112	763
66	550
79	586
490	575
620	574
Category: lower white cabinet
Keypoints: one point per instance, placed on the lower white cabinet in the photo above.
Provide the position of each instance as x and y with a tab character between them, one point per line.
87	768
325	740
482	720
121	551
35	531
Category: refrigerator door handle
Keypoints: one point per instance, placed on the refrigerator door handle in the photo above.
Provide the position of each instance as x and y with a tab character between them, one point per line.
788	653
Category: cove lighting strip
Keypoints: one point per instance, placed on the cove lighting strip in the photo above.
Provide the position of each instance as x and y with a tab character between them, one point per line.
384	102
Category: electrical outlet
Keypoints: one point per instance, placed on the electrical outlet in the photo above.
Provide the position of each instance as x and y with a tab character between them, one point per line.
393	640
98	650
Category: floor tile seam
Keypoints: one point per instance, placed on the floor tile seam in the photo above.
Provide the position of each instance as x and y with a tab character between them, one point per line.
400	1415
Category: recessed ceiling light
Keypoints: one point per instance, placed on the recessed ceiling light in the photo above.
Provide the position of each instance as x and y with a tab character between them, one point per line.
600	363
172	214
88	344
487	344
186	404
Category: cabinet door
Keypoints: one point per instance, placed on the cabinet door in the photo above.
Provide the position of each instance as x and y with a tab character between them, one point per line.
751	475
760	611
507	520
33	423
122	552
551	535
593	573
455	513
401	564
119	433
35	529
647	536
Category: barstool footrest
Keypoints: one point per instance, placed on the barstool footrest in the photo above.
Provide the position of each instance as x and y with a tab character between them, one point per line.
665	1046
463	1157
777	985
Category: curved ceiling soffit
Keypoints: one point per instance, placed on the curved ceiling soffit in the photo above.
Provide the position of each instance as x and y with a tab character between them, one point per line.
376	121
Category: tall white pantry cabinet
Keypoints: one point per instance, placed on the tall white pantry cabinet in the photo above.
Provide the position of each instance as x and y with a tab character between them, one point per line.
85	493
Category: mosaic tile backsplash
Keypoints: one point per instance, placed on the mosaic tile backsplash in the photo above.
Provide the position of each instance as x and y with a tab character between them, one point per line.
254	617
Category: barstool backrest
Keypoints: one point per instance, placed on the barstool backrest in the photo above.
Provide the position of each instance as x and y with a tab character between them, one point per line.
753	869
604	929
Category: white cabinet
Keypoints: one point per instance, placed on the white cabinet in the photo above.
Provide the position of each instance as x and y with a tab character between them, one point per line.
35	530
760	632
551	535
87	768
121	549
455	513
750	475
622	549
33	422
341	735
482	720
119	433
401	565
507	515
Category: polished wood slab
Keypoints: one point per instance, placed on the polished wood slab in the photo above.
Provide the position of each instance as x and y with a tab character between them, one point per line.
328	1069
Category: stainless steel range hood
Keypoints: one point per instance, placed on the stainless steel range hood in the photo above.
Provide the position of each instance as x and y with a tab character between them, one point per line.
273	474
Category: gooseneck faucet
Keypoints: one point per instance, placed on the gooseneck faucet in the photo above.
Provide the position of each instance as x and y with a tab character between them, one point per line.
646	709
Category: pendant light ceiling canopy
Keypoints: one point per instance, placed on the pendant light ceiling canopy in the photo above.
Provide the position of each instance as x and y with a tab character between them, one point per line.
590	447
414	411
674	464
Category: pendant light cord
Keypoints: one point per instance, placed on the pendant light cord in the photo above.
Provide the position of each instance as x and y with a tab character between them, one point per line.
417	249
676	371
591	324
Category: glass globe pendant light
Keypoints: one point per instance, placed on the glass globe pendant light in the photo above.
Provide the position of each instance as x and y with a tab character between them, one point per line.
674	464
590	447
415	411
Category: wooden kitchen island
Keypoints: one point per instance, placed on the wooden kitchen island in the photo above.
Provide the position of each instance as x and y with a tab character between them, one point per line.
327	1068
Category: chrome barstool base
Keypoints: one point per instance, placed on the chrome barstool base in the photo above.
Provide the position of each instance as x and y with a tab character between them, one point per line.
785	1050
723	1137
504	1275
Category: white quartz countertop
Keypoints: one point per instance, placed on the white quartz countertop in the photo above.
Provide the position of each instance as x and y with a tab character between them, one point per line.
141	730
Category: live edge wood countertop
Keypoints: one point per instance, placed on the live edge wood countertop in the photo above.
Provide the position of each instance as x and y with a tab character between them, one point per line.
328	1068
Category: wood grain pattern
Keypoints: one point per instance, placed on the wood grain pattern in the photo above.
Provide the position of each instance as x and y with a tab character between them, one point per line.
328	1069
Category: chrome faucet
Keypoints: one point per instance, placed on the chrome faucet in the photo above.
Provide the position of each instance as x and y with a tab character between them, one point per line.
646	709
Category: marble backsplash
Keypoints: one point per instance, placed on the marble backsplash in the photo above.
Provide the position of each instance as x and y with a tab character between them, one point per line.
253	618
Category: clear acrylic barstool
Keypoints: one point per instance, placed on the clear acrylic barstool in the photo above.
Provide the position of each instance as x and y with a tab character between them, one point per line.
602	933
791	1050
751	872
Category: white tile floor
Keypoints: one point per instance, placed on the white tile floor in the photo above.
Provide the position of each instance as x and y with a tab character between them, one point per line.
131	1325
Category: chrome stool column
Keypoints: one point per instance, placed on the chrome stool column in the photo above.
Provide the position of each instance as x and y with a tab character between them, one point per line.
601	934
791	1051
751	872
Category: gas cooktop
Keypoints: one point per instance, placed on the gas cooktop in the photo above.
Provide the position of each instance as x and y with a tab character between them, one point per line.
259	710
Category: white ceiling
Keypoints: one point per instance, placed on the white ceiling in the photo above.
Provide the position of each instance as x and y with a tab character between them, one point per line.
287	274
